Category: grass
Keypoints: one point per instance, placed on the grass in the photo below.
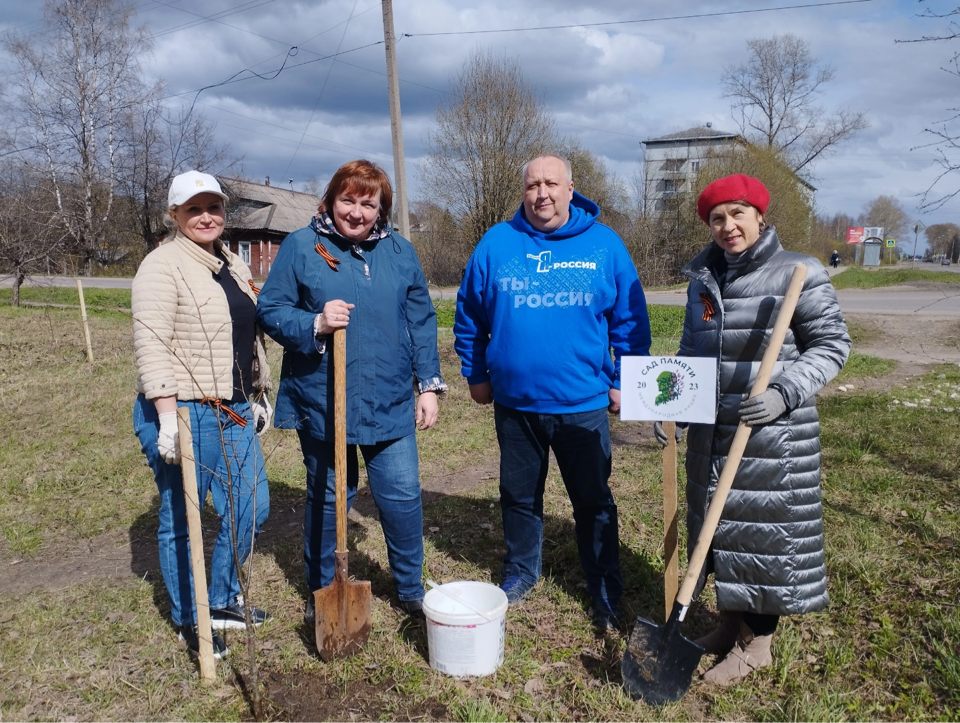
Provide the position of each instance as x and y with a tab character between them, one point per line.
864	365
74	492
108	298
860	279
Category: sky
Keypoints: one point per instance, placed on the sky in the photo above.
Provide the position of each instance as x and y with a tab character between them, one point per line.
610	82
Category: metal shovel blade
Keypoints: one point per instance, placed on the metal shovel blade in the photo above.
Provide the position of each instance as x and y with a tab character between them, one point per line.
343	614
659	662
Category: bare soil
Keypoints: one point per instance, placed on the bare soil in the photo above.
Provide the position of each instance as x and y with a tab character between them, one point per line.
916	344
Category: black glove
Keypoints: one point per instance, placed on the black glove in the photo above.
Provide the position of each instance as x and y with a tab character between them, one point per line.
661	436
763	408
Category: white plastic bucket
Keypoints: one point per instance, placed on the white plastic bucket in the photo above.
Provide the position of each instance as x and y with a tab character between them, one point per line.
462	642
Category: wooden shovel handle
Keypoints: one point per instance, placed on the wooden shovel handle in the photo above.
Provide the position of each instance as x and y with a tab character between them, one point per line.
767	364
671	563
340	432
208	672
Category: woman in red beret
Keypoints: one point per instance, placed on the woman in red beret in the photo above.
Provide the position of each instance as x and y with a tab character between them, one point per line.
767	556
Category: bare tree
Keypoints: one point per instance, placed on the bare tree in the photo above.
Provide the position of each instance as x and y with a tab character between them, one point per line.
887	212
942	238
161	143
29	232
945	138
775	96
79	78
830	234
593	179
440	243
493	124
314	185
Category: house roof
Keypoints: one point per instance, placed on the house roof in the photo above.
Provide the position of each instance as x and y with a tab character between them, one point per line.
269	208
693	134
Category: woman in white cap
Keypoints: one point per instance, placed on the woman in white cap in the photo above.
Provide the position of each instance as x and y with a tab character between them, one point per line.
767	555
197	346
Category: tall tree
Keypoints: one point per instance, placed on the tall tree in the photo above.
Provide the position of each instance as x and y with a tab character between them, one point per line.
160	143
942	238
79	78
493	123
29	232
830	234
440	243
775	101
592	178
887	212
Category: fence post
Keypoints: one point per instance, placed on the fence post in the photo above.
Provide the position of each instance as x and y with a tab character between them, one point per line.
83	318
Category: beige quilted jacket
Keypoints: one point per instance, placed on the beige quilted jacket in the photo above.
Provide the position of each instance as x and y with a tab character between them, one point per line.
182	331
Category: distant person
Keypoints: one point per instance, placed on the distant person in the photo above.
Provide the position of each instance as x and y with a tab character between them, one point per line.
349	270
767	556
197	347
835	259
544	298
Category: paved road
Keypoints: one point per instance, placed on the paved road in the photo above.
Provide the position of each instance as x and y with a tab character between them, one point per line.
94	283
901	300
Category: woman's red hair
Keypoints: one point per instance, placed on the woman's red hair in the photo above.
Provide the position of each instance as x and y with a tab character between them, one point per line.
362	178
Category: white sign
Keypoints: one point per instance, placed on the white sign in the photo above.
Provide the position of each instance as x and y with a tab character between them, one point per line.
873	232
668	388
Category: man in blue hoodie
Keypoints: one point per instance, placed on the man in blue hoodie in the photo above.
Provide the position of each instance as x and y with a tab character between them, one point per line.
544	298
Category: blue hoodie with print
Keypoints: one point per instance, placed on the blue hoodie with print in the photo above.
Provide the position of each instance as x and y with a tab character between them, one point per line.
537	313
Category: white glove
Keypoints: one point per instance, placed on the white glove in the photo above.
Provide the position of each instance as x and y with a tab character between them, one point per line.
262	413
168	442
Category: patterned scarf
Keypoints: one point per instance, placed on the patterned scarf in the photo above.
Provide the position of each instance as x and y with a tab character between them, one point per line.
326	226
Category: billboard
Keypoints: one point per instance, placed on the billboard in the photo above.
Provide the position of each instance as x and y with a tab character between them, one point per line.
873	233
855	235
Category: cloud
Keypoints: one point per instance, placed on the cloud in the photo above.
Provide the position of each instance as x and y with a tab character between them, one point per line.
610	86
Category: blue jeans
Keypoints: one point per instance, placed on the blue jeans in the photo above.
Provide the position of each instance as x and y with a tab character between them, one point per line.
241	470
581	444
394	473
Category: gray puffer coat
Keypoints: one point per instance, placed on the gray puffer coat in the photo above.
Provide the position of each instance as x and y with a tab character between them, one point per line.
767	553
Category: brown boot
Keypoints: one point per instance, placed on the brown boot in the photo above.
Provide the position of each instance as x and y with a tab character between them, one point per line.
721	640
748	654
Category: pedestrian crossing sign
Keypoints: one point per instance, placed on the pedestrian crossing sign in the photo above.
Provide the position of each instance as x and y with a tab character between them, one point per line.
891	243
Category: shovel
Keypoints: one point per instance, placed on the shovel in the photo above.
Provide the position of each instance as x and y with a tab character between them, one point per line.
671	565
343	607
659	661
188	465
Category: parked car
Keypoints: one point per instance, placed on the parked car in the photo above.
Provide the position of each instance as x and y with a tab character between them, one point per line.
945	261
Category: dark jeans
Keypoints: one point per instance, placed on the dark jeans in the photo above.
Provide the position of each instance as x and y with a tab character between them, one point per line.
394	477
581	444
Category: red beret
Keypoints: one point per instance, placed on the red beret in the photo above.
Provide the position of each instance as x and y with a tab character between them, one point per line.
733	188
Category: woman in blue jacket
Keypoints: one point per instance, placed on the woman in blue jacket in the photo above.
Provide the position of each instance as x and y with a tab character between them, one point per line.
349	270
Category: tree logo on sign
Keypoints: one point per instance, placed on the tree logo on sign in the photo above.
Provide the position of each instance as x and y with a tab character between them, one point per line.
670	385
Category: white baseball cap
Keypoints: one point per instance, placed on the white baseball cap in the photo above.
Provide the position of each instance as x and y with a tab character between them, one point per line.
189	184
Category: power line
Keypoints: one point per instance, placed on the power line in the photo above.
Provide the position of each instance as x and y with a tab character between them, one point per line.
284	128
213	18
319	148
322	88
263	76
640	20
249	5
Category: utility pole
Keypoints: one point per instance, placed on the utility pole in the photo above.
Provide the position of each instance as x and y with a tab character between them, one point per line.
396	128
